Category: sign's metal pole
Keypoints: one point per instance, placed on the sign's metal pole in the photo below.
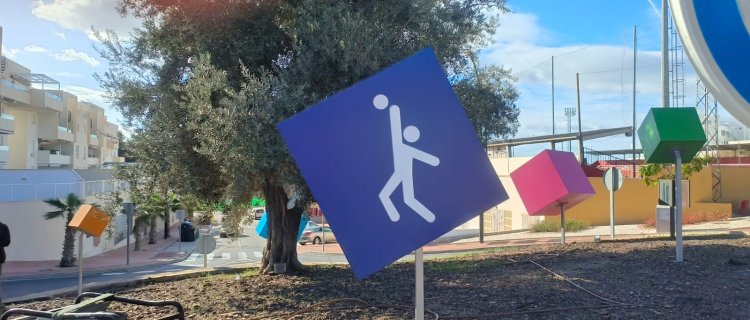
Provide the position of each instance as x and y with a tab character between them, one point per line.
127	246
678	202
205	250
419	283
128	207
179	241
612	208
80	262
562	223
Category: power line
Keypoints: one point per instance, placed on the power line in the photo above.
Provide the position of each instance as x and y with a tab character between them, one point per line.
619	69
548	60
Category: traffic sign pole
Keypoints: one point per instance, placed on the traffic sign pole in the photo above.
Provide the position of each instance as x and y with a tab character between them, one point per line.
205	250
612	214
419	283
562	222
80	262
678	202
613	181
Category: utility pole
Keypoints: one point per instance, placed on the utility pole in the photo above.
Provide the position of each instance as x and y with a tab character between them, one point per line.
580	134
635	51
553	99
569	113
664	55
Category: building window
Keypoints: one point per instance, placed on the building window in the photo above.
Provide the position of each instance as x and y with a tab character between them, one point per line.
78	151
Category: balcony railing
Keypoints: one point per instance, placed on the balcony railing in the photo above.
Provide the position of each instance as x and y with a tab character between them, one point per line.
64	129
94	136
52	96
44	191
4	148
13	85
7	123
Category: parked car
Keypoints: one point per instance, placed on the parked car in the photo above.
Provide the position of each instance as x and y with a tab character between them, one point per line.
316	235
258	213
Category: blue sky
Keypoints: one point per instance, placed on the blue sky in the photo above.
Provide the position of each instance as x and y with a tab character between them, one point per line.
589	37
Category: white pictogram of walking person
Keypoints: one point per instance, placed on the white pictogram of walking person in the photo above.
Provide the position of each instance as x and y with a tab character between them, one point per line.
403	155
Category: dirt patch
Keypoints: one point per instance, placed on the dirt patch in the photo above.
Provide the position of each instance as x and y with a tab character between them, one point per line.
610	280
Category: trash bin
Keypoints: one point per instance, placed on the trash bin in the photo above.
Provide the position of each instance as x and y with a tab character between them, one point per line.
187	232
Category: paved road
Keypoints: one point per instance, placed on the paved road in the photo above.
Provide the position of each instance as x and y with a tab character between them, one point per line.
246	249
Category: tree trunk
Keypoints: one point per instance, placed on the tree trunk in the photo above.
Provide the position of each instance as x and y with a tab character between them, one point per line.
283	225
68	253
69	243
167	220
152	231
167	216
137	233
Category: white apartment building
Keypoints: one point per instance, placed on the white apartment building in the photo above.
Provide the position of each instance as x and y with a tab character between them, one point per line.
42	126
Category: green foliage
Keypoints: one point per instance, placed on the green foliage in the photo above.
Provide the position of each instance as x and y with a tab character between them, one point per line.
489	97
111	204
553	225
652	172
65	209
203	93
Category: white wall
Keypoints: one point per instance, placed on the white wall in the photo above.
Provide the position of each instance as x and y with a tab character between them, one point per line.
35	239
520	219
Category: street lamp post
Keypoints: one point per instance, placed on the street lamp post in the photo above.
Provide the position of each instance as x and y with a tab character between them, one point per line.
128	206
739	139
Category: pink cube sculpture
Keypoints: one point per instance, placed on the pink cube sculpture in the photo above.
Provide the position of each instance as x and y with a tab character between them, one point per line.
549	179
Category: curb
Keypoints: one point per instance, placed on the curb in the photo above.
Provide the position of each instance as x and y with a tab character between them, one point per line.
109	285
96	271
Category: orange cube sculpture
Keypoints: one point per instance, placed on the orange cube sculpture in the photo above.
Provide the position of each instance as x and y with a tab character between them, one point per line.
90	220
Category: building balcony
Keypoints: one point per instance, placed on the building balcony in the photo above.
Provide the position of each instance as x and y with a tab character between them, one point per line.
47	158
7	123
92	162
46	99
4	156
93	140
14	92
52	134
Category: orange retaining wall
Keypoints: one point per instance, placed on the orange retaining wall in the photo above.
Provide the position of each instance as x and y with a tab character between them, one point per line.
635	202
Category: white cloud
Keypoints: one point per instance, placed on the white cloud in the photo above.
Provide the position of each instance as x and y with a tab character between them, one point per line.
61	35
94	96
9	52
606	80
34	49
73	55
66	74
82	15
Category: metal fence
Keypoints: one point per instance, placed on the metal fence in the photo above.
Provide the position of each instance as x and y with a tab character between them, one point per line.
44	191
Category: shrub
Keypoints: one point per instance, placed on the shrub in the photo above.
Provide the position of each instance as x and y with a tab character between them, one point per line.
693	218
553	225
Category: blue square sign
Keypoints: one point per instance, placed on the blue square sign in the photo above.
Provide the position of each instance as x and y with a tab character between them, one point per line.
394	161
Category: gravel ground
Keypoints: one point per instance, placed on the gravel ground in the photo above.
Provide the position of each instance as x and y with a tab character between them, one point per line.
634	279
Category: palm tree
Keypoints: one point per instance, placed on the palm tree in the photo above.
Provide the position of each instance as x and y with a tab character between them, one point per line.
191	204
65	210
152	208
173	203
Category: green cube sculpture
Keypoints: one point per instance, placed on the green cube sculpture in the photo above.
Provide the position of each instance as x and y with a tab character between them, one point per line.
667	129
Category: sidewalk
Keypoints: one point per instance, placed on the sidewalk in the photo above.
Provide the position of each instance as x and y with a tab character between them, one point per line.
622	232
165	251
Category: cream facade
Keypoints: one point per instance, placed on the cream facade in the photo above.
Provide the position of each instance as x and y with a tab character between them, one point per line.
42	126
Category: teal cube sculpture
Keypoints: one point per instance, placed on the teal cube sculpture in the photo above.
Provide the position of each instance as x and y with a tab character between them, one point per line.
667	129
